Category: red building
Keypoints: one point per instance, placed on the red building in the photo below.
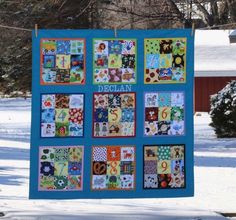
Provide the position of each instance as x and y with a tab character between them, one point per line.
215	65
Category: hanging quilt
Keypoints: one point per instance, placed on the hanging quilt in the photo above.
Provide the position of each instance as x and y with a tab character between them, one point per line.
112	116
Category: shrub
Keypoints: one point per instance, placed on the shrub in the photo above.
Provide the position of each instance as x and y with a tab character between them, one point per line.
223	111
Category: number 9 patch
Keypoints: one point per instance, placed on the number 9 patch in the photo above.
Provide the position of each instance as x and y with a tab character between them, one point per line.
164	166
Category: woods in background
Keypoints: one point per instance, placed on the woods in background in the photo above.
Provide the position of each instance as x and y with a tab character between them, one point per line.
15	45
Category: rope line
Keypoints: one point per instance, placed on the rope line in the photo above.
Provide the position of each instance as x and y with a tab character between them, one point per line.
204	28
15	28
216	26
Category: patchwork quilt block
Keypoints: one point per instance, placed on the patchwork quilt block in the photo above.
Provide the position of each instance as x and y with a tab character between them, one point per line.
114	115
165	60
61	168
164	113
62	61
164	166
113	168
62	115
114	61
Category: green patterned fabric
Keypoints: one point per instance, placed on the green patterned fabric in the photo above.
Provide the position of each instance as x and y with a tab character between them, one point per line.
152	46
164	153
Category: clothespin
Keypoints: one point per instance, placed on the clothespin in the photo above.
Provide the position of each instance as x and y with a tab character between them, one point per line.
115	32
36	30
193	29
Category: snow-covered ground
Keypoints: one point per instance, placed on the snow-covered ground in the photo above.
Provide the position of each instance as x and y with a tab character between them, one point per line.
215	179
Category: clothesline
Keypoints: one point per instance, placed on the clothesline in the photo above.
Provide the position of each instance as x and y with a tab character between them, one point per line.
204	28
15	28
223	26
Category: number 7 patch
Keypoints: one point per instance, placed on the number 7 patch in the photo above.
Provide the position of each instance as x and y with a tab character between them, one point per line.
61	168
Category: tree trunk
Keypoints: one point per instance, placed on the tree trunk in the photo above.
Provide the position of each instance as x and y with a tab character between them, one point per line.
207	18
224	13
214	12
232	9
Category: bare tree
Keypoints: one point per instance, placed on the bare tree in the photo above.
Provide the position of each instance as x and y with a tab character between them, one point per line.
15	45
214	12
140	14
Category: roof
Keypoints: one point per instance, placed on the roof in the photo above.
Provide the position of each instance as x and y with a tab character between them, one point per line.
232	37
214	55
233	34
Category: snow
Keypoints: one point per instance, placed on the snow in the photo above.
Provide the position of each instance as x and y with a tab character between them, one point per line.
212	37
215	188
214	55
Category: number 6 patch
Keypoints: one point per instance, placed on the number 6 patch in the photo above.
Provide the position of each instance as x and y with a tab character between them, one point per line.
164	113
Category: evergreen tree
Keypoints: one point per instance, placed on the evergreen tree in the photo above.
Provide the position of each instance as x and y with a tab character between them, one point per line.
223	111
